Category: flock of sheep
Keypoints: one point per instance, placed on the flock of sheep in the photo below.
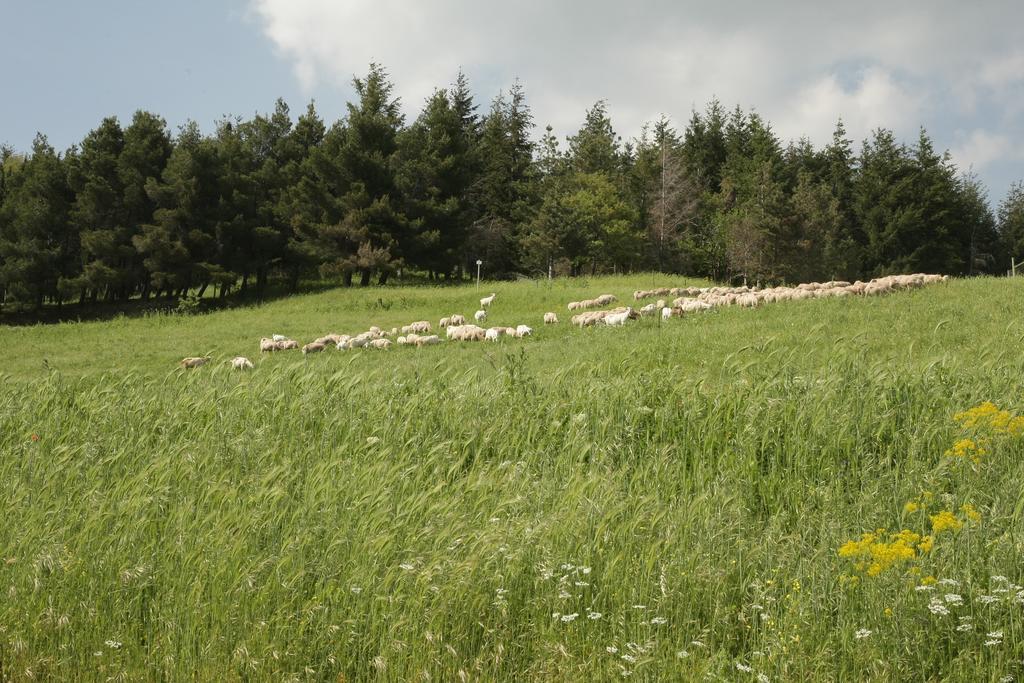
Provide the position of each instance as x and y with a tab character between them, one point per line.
688	300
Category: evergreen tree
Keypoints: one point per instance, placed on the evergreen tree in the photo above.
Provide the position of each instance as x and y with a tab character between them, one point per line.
99	214
506	190
372	221
38	246
180	247
144	155
1011	225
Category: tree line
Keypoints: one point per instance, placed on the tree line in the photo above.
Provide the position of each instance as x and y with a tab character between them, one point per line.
133	212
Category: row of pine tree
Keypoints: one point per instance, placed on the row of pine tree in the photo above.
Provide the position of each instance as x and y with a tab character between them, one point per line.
132	212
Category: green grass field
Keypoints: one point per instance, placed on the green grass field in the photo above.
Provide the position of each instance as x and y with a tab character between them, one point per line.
664	501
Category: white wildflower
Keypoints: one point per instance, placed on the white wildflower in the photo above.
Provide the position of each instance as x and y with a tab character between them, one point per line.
639	606
743	667
629	658
992	643
953	599
555	615
567	567
965	627
1000	579
112	644
697	643
922	588
657	621
1008	678
995	634
594	615
581	583
682	654
949	582
612	649
584	570
356	589
936	607
563	594
406	566
862	633
762	678
987	599
569	617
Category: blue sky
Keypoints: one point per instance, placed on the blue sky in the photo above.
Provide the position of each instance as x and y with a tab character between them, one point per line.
954	68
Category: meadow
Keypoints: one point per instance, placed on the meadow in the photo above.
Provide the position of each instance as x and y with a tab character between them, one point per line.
794	492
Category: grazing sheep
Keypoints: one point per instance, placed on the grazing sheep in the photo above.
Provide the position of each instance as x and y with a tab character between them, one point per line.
666	313
443	322
550	318
747	301
618	319
267	345
494	333
487	300
480	316
313	347
467	333
241	363
287	344
189	363
523	331
380	343
428	340
648	309
331	339
457	319
606	299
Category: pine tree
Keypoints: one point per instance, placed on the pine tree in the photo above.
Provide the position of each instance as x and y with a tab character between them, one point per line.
372	220
38	247
1011	225
98	213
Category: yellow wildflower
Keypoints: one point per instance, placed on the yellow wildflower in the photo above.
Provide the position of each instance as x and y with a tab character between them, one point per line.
888	611
926	544
970	512
911	507
929	581
945	520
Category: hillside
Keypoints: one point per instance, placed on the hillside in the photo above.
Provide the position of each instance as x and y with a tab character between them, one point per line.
667	500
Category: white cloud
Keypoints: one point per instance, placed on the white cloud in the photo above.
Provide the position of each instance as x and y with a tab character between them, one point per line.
945	65
981	148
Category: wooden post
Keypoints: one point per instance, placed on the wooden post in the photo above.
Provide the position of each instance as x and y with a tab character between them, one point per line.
1013	267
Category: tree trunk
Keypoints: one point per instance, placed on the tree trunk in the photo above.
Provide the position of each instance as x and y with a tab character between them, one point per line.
383	279
346	279
364	278
202	290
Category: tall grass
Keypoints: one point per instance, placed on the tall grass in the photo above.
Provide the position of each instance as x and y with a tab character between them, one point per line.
663	501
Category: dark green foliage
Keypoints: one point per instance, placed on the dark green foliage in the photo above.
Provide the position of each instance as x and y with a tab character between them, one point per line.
132	213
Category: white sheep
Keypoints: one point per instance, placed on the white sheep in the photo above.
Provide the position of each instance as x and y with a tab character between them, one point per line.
428	340
279	337
480	316
380	343
267	345
457	319
241	363
313	347
523	331
189	363
618	319
487	300
666	313
648	309
494	334
550	318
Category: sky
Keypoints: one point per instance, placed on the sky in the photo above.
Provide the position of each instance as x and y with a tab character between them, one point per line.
955	68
